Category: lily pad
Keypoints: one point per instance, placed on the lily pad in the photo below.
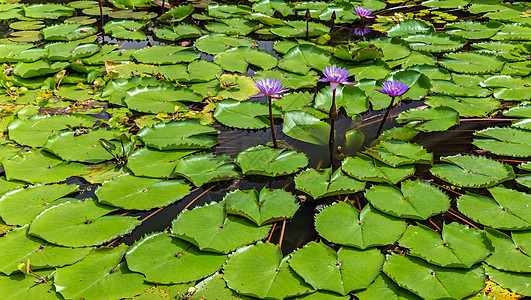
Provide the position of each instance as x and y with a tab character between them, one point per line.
459	247
177	13
47	11
196	71
465	106
238	59
138	193
410	200
125	29
302	58
175	33
473	30
17	246
167	260
261	160
326	183
98	276
350	97
347	270
433	282
472	171
207	167
38	68
506	211
430	119
161	55
517	282
472	63
358	229
509	254
267	207
178	135
435	42
80	223
22	205
398	153
410	27
385	288
153	163
293	29
260	271
67	32
212	229
217	43
290	80
233	26
154	99
23	286
505	141
245	114
305	127
365	168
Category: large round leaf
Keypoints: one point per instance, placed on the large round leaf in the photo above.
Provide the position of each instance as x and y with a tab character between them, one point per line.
267	207
245	115
347	270
508	210
465	106
472	63
398	153
178	135
435	42
138	193
473	29
300	59
459	246
81	146
238	59
429	119
196	71
21	286
516	282
359	229
36	130
260	271
433	282
207	167
385	288
22	205
167	260
325	183
505	141
305	127
17	247
153	163
350	97
80	223
410	200
509	254
211	229
125	29
290	80
261	160
165	55
217	43
99	276
154	99
472	171
366	168
409	27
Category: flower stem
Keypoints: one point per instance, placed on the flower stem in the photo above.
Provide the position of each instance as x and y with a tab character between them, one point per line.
272	123
101	12
332	115
385	118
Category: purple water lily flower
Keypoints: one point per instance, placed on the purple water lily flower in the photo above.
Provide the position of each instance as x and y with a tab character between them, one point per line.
335	76
394	88
270	87
359	31
362	12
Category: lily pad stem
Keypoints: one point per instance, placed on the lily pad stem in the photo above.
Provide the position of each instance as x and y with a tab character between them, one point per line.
385	118
308	16
282	234
272	123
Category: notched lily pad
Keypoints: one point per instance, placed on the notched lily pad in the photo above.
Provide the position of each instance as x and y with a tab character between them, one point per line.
261	160
366	168
207	167
325	183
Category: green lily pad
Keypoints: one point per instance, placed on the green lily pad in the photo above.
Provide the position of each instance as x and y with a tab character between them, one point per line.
41	167
154	99
293	101
212	229
509	254
116	90
138	193
459	247
245	114
290	80
22	205
473	30
217	43
196	71
451	88
215	287
398	153
385	288
302	58
347	270
36	130
435	42
25	36
176	13
10	52
465	106
67	32
238	59
17	246
506	211
23	286
516	282
325	183
125	29
350	97
430	119
472	171
207	167
267	207
392	48
505	141
47	11
71	51
260	271
261	160
80	223
365	168
178	135
472	63
433	282
513	32
305	127
98	276
358	229
410	200
153	163
175	33
164	259
410	27
80	145
161	55
508	88
38	68
11	11
293	29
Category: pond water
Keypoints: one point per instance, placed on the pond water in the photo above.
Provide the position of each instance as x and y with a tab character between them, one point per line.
137	131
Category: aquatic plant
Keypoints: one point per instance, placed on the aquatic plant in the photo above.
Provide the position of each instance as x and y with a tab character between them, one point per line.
394	89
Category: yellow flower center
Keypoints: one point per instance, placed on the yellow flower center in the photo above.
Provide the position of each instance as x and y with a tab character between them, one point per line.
335	75
395	88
